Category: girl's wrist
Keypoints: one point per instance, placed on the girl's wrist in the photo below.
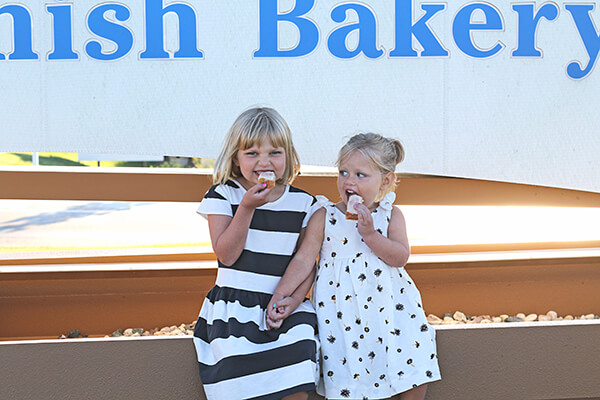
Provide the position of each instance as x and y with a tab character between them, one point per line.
278	295
246	207
297	297
369	236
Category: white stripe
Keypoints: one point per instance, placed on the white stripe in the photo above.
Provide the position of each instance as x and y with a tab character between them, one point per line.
282	243
305	306
290	201
244	280
222	311
262	383
294	201
214	206
221	348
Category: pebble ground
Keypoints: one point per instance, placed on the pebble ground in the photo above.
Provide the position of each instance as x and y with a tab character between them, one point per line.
447	319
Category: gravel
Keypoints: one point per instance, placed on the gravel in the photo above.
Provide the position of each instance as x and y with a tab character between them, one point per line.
456	318
461	318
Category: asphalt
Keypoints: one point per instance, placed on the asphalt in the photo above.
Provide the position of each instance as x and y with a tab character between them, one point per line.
97	224
27	225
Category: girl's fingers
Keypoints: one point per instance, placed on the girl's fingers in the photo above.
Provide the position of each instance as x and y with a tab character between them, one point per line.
277	313
275	324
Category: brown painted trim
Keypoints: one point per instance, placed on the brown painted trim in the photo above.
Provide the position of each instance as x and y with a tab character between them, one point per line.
45	304
131	184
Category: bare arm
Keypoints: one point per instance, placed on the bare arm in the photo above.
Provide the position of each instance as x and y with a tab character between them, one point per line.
287	305
302	265
228	235
394	250
302	290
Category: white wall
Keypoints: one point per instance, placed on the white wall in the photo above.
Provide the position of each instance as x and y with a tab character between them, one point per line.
508	118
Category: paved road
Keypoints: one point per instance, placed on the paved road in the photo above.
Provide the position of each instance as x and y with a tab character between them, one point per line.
96	224
92	224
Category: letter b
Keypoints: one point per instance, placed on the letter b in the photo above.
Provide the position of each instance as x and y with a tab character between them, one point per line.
269	33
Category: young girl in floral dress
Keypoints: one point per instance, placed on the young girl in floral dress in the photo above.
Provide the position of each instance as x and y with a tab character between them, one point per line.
375	339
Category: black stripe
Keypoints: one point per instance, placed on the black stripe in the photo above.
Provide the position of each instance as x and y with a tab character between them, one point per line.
307	387
246	298
275	221
260	263
232	184
224	329
213	194
249	364
294	189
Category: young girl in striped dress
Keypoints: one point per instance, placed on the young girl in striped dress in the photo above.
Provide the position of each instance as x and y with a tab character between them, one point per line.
254	232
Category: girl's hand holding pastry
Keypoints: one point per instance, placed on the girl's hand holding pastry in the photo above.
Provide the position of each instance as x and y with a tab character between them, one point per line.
365	221
256	196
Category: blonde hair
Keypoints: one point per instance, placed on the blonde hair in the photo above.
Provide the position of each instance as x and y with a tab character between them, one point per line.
256	125
384	153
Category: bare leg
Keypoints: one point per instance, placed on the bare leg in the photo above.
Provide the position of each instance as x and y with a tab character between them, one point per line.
296	396
417	393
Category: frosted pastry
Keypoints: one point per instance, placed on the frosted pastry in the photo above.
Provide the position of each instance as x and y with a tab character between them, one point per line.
268	178
351	212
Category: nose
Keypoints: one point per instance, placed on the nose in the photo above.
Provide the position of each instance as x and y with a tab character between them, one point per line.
351	180
263	159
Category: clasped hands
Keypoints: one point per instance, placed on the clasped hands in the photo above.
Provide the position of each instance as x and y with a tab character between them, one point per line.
280	307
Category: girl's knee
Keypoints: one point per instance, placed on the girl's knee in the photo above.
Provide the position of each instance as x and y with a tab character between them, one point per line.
296	396
417	393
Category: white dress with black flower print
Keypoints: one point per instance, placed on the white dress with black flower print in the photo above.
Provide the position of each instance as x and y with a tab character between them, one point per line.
375	339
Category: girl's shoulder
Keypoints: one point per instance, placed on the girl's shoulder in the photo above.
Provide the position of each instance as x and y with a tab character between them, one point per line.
294	189
220	198
323	201
301	196
220	190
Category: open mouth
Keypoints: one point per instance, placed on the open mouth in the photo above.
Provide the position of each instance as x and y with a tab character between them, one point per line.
257	173
349	193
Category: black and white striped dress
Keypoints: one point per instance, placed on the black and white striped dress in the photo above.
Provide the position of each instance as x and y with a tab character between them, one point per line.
238	357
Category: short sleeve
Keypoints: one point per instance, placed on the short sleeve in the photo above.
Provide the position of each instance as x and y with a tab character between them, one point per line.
322	201
314	206
387	203
216	201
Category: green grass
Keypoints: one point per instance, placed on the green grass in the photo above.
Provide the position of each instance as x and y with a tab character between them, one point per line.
70	159
52	159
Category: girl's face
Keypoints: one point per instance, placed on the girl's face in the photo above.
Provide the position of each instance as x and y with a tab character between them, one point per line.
259	158
358	175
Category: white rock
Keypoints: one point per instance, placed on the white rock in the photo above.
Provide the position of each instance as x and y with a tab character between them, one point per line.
459	316
531	317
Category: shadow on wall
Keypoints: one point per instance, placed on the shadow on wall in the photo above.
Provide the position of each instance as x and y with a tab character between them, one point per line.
80	211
